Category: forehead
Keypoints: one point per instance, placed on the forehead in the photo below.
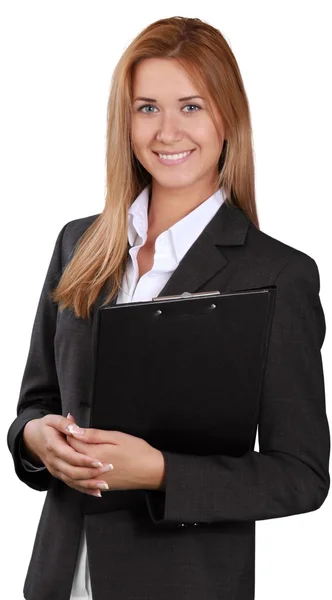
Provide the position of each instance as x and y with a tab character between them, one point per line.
158	75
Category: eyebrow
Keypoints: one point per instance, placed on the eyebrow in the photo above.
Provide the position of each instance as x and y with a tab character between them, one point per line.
154	100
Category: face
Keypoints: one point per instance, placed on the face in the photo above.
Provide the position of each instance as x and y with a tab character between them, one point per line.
167	125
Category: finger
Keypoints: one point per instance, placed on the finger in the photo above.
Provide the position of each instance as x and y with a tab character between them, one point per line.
92	484
59	448
83	448
62	424
86	484
96	493
62	468
77	444
93	436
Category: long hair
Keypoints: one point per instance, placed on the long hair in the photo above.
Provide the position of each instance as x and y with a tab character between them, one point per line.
101	253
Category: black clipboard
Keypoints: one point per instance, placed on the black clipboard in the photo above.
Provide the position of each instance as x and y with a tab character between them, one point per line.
183	372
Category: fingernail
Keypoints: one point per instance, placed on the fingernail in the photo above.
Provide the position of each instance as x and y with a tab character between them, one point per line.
97	493
74	429
96	463
106	468
102	485
68	415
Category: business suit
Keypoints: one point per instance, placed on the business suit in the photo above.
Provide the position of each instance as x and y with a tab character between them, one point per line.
139	546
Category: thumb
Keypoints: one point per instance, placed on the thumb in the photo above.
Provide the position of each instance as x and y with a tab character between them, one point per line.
63	424
94	436
73	428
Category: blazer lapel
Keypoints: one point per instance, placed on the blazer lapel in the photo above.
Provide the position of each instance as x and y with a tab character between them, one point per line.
205	258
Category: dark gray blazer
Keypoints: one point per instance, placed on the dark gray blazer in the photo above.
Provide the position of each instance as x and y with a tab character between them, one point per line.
196	539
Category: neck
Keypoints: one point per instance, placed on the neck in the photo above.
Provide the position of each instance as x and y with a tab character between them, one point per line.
168	206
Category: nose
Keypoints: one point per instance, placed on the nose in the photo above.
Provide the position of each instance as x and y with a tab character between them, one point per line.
169	128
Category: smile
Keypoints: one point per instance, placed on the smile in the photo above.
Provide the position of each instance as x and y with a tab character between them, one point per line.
173	159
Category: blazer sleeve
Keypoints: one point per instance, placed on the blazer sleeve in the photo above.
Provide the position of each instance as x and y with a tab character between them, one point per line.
289	475
39	394
25	462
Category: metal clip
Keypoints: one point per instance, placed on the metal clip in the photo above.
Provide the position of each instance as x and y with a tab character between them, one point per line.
187	295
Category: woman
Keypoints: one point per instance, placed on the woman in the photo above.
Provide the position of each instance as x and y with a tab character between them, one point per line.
175	525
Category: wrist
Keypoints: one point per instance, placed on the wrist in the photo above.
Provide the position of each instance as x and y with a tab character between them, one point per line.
28	451
158	475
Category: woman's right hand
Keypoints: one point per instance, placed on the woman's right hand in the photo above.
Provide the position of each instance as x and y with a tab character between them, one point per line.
45	438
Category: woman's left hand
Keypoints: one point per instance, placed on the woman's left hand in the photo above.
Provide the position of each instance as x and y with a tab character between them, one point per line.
137	465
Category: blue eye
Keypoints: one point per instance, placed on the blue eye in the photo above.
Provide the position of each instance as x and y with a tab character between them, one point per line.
148	105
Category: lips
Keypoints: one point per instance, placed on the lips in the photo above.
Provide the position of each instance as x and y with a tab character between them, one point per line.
170	153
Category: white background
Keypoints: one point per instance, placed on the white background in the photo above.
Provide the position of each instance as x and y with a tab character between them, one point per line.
57	61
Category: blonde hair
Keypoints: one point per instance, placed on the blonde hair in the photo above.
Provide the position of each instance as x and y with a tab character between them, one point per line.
100	255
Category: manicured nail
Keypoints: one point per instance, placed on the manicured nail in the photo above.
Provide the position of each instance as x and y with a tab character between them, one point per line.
75	429
106	468
97	494
68	415
96	463
102	485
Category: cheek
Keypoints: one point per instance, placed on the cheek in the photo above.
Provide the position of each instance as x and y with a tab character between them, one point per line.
140	133
206	134
212	145
139	142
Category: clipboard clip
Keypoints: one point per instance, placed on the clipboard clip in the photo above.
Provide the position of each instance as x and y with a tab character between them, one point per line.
186	295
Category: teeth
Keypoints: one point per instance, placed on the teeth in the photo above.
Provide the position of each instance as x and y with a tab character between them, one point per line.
174	156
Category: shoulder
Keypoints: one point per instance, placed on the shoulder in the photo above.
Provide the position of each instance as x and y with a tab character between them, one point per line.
279	256
296	277
77	227
72	232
